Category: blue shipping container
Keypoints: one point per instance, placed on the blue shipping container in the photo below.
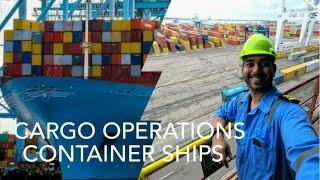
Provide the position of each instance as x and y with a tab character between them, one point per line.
77	36
26	69
77	71
278	79
146	47
17	35
84	26
27	35
205	37
126	59
106	26
36	70
77	26
67	25
26	58
230	93
96	59
57	59
17	46
135	70
58	26
136	59
106	59
37	37
179	47
67	60
106	36
8	46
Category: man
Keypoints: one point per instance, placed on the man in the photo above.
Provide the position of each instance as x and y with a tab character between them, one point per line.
280	147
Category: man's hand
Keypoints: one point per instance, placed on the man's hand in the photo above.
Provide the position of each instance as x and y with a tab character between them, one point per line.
225	150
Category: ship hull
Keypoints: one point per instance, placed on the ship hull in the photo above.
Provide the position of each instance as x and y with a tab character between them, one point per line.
60	100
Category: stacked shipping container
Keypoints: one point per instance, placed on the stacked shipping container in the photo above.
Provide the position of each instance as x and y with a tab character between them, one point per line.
118	50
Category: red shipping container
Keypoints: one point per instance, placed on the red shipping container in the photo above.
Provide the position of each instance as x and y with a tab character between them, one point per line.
7	69
10	145
57	71
48	26
115	71
125	36
33	141
17	57
76	48
16	69
136	36
97	25
58	37
116	48
96	37
147	25
48	37
3	145
67	71
106	48
206	45
47	70
106	72
48	59
89	36
125	71
67	48
47	48
116	59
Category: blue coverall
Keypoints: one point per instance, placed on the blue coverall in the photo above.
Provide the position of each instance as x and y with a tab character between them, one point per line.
288	148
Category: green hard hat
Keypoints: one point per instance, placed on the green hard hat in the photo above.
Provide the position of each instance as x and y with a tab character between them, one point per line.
258	44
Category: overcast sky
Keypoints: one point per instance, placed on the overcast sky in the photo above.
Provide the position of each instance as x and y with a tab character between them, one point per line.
230	9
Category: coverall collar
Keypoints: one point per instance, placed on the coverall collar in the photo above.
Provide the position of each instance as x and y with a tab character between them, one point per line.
267	100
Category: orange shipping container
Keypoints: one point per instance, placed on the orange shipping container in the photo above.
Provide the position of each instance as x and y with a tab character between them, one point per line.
116	59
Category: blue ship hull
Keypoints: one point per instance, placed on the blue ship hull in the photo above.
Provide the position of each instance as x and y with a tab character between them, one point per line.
60	100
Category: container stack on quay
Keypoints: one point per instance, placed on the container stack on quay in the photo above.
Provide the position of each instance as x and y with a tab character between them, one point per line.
186	37
118	49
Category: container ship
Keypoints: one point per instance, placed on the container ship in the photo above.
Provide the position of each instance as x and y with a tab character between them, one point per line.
43	82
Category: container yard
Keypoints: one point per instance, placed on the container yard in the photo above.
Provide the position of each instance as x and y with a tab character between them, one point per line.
116	62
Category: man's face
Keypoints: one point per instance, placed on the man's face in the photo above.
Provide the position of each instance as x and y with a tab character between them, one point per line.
258	72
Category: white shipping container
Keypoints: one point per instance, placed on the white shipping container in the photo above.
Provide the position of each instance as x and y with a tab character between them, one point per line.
312	65
296	55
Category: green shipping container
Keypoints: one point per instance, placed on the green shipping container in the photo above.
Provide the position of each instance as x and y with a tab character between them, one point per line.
77	60
4	137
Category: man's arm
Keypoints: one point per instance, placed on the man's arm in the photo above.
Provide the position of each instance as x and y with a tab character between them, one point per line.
301	142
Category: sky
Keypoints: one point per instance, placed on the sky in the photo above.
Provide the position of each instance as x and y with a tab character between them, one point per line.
230	9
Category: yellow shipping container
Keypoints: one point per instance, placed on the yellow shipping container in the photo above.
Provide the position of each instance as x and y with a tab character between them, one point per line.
21	24
116	25
165	50
125	48
89	50
194	47
292	72
200	46
147	36
187	48
156	51
8	35
222	44
3	163
10	153
36	48
185	43
116	36
67	37
205	31
26	46
175	40
155	45
96	48
286	34
175	34
57	48
36	60
211	44
96	70
126	25
135	47
35	26
7	57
